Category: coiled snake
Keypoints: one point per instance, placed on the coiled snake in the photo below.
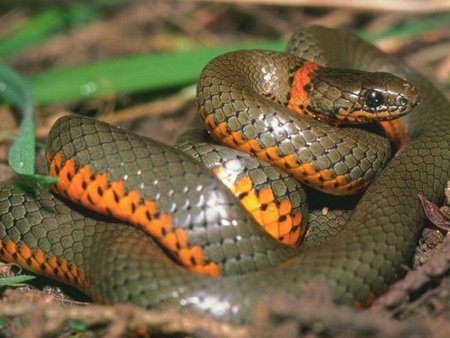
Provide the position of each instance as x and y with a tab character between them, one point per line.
158	187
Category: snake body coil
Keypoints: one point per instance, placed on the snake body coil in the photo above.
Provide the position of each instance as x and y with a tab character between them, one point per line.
115	263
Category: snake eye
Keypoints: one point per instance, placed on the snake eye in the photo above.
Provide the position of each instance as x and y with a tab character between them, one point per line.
374	98
403	101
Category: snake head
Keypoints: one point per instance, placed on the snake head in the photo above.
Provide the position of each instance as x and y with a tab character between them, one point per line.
353	96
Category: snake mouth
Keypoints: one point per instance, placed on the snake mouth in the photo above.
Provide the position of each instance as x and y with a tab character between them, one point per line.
362	116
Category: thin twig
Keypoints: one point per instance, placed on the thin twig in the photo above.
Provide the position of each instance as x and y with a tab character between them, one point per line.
416	6
165	106
55	318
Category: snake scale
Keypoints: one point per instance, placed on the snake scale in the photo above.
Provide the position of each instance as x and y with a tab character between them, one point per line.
115	263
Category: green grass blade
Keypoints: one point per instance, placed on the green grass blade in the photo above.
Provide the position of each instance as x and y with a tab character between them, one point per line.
33	32
15	92
131	74
5	281
412	28
43	25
